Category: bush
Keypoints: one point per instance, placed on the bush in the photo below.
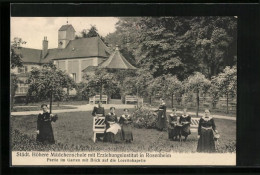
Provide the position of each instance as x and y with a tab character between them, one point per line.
144	118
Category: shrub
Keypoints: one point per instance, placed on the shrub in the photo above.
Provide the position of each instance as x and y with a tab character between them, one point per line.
144	118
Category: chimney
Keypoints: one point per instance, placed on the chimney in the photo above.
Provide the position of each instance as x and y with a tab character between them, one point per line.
44	47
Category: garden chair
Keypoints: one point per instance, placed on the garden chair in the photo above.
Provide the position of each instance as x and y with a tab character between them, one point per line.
99	126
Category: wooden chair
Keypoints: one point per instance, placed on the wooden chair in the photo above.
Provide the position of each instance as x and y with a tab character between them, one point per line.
99	126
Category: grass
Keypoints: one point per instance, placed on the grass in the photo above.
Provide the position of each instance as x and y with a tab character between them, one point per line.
36	108
73	131
54	103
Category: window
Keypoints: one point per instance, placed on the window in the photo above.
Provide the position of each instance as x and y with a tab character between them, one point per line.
74	76
23	69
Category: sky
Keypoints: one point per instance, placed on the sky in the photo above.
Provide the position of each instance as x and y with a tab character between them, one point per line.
33	29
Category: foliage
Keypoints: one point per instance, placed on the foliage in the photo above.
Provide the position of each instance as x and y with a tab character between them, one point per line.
16	60
144	118
178	45
47	82
225	84
101	80
14	86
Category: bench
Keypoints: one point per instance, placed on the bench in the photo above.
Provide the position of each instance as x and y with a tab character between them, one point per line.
96	98
194	124
99	126
129	98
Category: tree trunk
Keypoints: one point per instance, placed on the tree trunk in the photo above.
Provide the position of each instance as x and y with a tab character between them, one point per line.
227	103
50	101
150	100
101	88
198	104
172	100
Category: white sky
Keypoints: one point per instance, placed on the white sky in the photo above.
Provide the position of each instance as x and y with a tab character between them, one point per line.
33	29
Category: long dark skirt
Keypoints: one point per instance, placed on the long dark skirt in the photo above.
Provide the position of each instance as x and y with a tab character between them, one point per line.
46	134
185	130
206	141
173	132
162	121
127	133
113	138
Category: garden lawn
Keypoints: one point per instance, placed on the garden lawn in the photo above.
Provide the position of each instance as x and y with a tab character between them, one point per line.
36	108
73	132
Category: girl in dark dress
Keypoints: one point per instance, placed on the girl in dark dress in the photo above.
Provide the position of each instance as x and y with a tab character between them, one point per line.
113	131
173	130
185	121
125	121
44	128
162	120
206	128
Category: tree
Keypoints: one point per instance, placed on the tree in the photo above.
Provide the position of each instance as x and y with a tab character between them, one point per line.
226	83
48	82
101	82
178	45
197	83
16	61
172	86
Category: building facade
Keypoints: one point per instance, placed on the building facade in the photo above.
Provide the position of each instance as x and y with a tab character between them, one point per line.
74	56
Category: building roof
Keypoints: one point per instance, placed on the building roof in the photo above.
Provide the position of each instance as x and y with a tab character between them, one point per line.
116	61
66	27
82	48
29	55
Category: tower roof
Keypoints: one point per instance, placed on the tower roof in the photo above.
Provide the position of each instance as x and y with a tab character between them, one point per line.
66	27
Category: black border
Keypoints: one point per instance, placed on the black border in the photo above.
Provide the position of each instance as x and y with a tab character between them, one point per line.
248	131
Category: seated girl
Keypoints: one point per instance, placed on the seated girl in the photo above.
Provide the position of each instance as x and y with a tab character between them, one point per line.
113	132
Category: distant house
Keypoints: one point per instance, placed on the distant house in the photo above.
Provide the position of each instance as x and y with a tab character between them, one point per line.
75	56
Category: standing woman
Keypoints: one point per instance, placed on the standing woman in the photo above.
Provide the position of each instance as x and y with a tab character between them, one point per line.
126	120
173	130
206	128
162	120
185	121
113	131
44	127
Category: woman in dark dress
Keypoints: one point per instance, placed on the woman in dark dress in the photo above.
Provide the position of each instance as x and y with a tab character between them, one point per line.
44	128
113	131
161	120
185	121
173	130
206	128
125	121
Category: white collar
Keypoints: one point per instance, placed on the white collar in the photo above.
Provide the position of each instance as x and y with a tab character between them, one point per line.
207	119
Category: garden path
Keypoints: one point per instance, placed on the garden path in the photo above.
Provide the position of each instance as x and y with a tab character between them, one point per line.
89	107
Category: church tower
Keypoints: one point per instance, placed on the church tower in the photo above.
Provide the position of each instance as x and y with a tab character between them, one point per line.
65	34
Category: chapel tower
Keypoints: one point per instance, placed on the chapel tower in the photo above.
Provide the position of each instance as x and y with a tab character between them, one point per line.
65	34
